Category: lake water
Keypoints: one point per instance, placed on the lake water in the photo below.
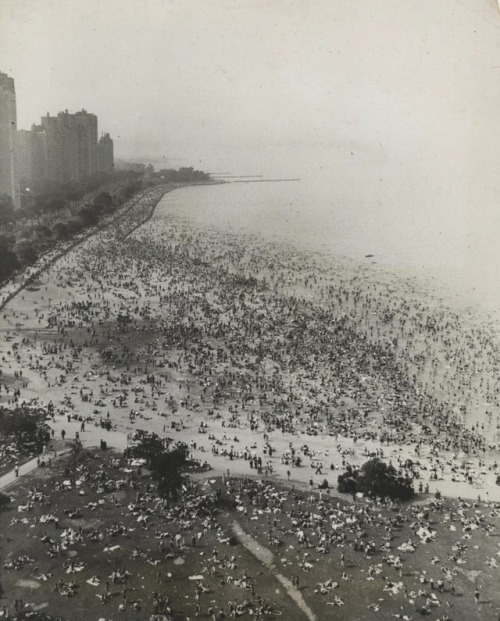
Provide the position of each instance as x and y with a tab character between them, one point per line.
454	252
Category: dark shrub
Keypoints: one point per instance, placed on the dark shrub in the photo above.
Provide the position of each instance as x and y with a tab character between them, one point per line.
60	230
25	252
376	479
89	215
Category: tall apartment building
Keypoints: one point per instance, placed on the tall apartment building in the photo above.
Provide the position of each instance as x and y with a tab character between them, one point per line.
71	142
105	154
32	157
9	180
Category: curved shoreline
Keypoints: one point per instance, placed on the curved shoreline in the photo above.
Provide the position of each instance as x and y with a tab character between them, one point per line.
178	332
80	238
106	272
30	276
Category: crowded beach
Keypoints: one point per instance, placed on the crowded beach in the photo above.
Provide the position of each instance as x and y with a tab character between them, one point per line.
279	370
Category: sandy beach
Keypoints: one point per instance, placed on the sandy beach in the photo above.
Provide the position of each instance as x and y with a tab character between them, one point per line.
235	346
280	369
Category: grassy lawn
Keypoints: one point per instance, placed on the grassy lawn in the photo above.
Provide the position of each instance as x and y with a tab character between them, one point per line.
125	529
113	522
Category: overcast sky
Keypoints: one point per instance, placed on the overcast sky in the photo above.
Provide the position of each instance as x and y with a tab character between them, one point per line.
388	107
201	80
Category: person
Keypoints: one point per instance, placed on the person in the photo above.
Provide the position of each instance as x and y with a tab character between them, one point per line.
17	470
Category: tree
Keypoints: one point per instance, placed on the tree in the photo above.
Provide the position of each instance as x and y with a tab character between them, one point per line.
25	252
32	212
7	211
89	215
53	204
183	175
103	201
24	427
376	479
60	230
149	448
94	181
131	188
166	465
8	259
167	471
43	231
77	456
74	226
4	500
348	481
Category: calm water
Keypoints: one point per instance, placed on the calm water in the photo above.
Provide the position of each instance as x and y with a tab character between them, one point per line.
457	253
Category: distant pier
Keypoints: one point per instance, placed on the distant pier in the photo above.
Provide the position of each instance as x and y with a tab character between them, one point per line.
262	180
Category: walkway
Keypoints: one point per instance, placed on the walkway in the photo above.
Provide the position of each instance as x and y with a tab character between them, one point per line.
10	477
266	557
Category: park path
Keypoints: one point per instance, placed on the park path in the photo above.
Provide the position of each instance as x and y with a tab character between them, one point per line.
10	477
90	439
266	557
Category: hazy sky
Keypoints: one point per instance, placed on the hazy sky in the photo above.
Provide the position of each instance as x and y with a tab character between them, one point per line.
387	107
203	81
392	104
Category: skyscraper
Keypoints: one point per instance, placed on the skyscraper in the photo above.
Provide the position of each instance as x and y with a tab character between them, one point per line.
9	180
71	145
105	152
32	157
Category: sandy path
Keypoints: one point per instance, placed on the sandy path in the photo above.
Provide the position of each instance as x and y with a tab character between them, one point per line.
10	478
266	557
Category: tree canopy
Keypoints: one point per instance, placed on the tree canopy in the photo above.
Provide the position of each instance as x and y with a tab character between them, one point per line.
7	213
167	471
375	478
24	427
166	464
8	259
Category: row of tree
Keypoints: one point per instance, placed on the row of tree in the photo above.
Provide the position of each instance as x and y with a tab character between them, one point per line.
166	462
55	215
55	198
183	175
61	211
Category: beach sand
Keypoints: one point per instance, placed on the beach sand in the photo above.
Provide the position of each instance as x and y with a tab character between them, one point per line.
266	346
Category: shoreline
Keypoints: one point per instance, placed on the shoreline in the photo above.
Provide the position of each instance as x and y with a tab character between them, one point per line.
31	272
257	356
146	232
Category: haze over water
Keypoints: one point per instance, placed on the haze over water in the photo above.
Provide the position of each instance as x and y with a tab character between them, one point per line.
387	110
456	254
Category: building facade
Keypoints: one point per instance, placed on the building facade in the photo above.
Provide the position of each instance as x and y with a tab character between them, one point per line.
61	149
71	146
32	158
9	178
105	154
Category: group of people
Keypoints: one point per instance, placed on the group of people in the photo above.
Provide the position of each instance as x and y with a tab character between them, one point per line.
270	362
